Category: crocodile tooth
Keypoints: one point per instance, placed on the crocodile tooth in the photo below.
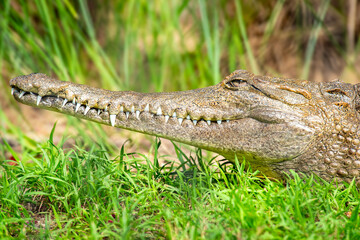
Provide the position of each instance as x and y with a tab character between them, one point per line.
180	120
74	101
38	99
167	118
137	114
194	122
188	117
147	109
112	119
64	102
132	109
174	114
98	111
208	122
122	109
105	109
32	93
127	114
228	120
21	93
219	122
86	110
77	107
159	112
12	91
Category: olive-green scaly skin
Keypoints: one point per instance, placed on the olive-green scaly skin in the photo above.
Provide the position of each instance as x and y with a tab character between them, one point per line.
274	124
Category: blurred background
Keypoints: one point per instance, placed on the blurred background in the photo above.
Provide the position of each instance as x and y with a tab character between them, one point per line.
164	45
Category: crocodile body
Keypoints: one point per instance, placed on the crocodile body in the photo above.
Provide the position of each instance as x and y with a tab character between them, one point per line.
274	124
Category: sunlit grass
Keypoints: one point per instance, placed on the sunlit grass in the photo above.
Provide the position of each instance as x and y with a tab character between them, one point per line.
69	193
96	190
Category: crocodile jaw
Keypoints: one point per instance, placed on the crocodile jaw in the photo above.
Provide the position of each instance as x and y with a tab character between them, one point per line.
191	117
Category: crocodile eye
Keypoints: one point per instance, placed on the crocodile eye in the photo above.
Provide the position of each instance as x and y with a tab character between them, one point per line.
235	84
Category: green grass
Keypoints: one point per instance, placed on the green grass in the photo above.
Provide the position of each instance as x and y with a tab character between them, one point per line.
72	193
97	189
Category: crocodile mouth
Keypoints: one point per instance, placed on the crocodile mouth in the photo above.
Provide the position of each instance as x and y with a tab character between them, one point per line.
74	107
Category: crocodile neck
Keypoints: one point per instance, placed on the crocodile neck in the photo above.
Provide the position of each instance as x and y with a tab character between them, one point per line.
336	152
274	124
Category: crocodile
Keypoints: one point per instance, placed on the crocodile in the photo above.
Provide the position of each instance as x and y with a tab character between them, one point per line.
272	124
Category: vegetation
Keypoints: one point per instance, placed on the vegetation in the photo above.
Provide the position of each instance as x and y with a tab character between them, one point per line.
97	188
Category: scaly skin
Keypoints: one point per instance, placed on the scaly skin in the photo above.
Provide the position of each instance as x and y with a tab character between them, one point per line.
273	124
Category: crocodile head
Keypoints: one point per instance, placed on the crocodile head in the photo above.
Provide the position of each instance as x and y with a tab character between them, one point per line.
273	124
